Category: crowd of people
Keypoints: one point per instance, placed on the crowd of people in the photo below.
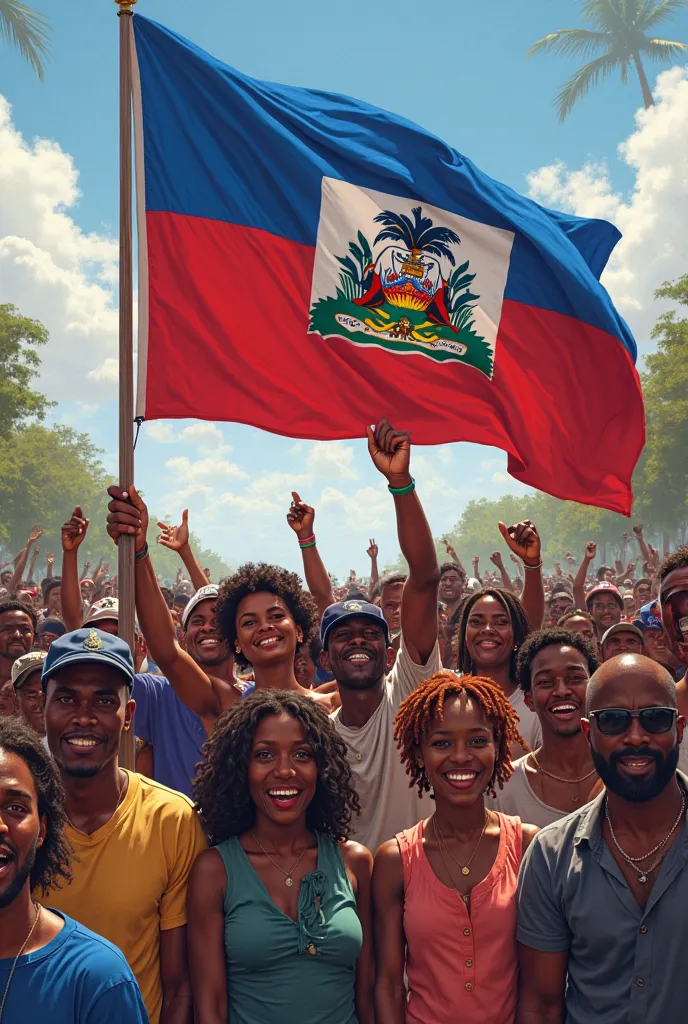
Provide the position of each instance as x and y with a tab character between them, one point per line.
422	798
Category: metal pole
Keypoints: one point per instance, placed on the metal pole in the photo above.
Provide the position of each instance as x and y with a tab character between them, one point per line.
125	555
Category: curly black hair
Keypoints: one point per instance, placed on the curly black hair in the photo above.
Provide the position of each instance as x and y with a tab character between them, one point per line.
519	623
678	559
256	578
542	638
51	867
17	606
575	613
221	784
452	567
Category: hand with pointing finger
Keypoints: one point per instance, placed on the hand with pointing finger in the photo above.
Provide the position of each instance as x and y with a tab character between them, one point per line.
301	517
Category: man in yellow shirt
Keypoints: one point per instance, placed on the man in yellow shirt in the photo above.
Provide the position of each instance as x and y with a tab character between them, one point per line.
134	840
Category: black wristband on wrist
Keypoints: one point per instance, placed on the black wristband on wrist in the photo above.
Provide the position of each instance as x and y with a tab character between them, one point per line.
140	555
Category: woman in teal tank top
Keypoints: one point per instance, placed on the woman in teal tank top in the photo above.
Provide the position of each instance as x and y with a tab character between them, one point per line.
279	908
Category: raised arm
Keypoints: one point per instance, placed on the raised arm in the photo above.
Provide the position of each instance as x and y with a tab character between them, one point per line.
582	574
73	533
301	518
524	541
32	564
128	514
390	451
22	559
176	538
496	559
372	553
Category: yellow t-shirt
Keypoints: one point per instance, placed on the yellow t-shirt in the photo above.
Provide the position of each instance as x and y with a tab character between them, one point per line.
130	877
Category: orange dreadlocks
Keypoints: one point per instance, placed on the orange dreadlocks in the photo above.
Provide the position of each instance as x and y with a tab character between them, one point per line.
427	702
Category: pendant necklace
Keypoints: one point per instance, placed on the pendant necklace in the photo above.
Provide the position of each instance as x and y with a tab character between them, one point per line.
634	861
465	868
24	945
559	778
288	880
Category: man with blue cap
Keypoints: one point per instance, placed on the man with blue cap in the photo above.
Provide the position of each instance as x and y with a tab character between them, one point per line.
356	650
135	840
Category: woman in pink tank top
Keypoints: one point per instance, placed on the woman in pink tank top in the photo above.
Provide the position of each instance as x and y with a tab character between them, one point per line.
445	890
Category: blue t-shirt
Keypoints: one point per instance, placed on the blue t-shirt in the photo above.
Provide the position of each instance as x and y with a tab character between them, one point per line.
78	978
175	733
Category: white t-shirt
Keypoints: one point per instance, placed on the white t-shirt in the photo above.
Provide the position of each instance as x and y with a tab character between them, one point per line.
388	804
518	798
528	724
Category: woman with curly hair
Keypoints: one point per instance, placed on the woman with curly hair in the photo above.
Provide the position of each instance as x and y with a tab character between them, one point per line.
265	615
279	908
50	966
445	890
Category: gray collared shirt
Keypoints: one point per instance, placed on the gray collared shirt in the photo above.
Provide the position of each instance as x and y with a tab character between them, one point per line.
626	965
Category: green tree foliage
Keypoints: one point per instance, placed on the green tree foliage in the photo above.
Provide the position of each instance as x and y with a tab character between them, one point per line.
621	33
26	30
19	360
662	486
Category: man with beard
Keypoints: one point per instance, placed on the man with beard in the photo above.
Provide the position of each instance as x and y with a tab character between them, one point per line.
134	840
51	967
601	923
553	670
356	650
17	631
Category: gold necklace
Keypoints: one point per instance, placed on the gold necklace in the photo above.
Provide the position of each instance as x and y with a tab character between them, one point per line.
448	869
572	782
288	880
465	868
24	945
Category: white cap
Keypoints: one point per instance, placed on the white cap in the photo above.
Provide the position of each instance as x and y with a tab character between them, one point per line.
24	666
207	593
107	608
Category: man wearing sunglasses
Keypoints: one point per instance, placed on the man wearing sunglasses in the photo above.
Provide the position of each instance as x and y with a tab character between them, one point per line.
602	926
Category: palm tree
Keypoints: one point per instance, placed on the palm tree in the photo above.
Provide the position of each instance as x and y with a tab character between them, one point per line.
620	34
418	235
26	30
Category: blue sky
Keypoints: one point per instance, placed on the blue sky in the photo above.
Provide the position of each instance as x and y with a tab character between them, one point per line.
458	69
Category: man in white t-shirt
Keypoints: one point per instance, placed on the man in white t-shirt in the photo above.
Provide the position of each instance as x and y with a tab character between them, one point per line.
356	651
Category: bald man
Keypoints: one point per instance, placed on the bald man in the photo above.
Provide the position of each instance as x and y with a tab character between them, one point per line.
602	927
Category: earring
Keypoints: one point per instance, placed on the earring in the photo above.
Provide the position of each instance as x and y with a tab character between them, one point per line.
237	648
299	636
515	647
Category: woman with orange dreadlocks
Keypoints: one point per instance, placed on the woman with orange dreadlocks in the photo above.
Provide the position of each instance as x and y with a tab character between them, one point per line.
445	890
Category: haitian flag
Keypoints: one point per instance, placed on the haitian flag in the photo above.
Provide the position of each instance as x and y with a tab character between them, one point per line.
309	263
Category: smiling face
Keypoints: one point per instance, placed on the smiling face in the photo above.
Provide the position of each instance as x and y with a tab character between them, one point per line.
581	625
266	631
559	677
636	765
489	634
86	708
357	655
282	771
451	586
674	603
30	701
22	830
643	594
16	634
561	604
459	752
606	611
656	646
624	642
54	603
304	667
203	639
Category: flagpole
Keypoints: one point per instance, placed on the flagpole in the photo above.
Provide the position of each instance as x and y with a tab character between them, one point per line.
125	553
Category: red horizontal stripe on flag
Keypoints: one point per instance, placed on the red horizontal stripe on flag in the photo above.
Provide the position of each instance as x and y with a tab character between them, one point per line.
229	313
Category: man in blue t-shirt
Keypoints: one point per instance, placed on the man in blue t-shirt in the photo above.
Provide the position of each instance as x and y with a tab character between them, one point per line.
175	733
51	967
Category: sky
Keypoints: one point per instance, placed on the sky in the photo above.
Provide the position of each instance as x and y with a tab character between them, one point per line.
459	70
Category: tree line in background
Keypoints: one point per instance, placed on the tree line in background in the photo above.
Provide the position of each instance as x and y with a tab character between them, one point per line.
46	470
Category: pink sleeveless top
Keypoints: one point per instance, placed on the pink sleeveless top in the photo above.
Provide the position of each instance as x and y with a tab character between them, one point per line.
461	968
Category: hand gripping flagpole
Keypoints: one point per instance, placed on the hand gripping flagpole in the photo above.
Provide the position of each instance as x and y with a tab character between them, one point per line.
125	554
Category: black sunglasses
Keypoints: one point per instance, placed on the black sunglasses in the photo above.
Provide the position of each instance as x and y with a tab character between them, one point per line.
614	721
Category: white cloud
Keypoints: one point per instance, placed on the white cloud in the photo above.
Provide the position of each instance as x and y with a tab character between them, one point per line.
204	470
652	217
160	431
51	269
367	510
205	434
332	460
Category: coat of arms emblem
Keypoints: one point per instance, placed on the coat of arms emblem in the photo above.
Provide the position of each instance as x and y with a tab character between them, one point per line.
405	283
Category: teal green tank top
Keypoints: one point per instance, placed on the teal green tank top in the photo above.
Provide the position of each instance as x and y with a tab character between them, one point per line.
281	971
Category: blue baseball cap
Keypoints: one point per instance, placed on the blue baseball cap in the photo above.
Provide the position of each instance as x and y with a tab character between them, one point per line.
351	610
649	617
84	646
